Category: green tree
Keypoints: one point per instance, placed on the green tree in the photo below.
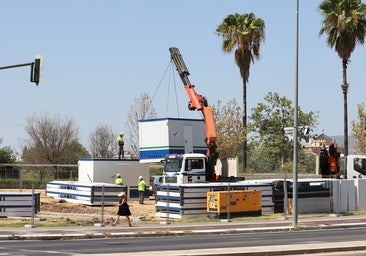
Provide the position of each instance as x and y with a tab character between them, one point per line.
244	33
7	155
271	146
359	130
344	24
228	119
74	152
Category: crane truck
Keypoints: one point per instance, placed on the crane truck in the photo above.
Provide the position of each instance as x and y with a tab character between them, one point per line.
329	162
330	167
356	167
193	167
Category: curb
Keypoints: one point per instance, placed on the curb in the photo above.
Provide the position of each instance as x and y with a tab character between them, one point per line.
31	233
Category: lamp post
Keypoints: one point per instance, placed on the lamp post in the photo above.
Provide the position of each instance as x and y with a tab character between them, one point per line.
295	160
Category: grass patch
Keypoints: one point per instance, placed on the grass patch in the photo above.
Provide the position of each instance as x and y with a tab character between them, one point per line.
354	213
50	222
265	217
14	237
244	218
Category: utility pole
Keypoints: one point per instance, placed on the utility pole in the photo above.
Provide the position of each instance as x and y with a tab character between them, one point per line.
36	69
295	157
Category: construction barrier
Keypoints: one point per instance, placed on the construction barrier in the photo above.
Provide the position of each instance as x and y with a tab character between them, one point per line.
84	193
322	195
19	204
313	196
190	200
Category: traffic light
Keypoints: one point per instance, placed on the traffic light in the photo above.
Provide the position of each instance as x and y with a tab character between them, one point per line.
37	70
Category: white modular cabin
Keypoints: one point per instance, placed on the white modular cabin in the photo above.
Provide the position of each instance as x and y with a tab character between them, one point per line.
96	181
162	136
104	170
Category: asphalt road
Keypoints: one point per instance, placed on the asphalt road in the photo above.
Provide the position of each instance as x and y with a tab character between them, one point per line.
147	245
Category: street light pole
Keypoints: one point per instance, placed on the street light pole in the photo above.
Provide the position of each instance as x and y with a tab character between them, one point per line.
295	160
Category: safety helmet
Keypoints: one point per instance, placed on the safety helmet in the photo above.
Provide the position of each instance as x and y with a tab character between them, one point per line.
118	175
140	178
122	133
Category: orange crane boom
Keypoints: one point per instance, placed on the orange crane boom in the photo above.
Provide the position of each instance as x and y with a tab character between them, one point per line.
199	102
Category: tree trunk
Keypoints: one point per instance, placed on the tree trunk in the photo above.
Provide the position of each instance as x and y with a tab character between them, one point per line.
345	114
245	126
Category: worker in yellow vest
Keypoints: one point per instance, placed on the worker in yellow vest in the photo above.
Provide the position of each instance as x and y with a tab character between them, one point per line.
141	186
118	180
121	143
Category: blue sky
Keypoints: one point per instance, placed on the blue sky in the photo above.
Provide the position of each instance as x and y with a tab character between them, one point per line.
99	56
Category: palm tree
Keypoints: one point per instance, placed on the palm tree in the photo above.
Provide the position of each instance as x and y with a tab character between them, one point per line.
344	22
244	33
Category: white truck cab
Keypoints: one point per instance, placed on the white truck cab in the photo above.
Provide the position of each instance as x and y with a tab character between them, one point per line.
185	168
356	167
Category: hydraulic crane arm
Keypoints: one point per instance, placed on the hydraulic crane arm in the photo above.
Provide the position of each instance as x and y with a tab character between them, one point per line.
180	65
198	102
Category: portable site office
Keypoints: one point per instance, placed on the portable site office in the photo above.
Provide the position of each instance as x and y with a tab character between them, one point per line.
162	136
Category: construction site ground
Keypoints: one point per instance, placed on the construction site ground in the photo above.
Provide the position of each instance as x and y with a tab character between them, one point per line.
55	212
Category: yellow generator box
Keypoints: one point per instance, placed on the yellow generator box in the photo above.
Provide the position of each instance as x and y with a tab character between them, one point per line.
237	202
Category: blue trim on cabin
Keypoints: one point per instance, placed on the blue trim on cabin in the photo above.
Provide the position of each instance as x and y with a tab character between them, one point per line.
161	153
170	118
108	159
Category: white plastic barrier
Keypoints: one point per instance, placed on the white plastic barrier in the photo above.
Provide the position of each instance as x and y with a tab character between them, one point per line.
344	196
360	185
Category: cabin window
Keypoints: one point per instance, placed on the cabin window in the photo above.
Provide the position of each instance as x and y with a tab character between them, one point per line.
359	164
193	163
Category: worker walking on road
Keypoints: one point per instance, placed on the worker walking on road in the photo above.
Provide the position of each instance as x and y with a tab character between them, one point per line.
141	186
118	180
121	143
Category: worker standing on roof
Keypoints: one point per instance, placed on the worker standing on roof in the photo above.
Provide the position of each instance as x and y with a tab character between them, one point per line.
118	180
121	143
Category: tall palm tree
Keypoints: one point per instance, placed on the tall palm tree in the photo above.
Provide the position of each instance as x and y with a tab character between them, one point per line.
344	23
244	33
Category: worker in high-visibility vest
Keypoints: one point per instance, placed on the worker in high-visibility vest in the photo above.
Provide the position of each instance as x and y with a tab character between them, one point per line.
121	143
141	186
118	180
